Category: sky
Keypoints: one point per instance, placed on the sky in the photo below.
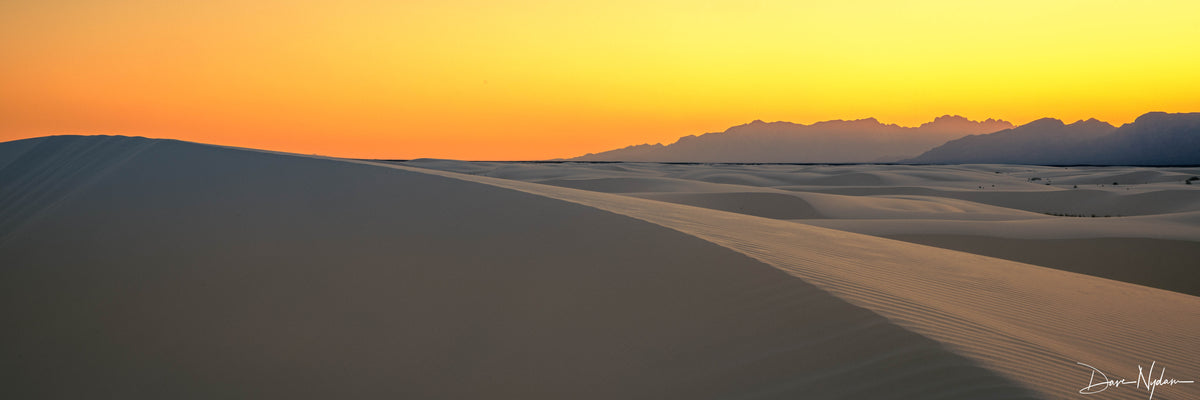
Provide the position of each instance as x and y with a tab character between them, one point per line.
522	80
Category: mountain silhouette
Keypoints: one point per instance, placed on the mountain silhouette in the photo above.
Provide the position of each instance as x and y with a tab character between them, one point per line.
1154	138
836	141
1043	139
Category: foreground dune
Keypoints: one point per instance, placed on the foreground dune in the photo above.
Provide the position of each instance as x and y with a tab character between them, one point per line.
161	269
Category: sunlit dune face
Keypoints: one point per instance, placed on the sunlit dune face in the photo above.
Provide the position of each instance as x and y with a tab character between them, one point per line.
540	79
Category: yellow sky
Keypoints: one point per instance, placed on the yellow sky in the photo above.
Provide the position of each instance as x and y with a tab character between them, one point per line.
543	79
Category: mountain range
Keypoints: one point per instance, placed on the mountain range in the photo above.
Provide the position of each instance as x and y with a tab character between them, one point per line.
1154	138
837	141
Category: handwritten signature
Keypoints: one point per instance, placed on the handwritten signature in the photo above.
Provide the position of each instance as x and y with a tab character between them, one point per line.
1096	386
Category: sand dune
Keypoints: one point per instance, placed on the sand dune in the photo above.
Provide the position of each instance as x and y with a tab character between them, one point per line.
1000	201
694	185
162	269
1141	201
1155	248
762	204
1160	263
1029	323
783	205
168	269
1179	226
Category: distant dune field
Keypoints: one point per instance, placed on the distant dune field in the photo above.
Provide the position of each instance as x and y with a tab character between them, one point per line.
1146	230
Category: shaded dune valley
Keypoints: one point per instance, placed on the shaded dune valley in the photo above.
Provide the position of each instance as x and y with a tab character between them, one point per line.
144	268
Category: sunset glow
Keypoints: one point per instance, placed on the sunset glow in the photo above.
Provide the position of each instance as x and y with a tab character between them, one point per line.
503	80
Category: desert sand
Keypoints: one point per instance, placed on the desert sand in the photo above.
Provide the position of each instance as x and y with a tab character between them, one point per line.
154	268
1145	230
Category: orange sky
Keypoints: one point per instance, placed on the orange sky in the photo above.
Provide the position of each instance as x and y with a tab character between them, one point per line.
541	79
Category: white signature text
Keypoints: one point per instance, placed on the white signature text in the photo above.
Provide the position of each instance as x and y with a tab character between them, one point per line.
1145	379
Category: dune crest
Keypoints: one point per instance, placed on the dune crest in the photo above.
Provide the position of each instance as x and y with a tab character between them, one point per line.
185	270
1028	322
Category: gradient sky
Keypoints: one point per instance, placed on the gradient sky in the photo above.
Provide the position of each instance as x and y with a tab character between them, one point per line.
542	79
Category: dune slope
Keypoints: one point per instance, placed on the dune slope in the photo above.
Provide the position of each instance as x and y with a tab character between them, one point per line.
994	210
1161	263
178	270
1032	324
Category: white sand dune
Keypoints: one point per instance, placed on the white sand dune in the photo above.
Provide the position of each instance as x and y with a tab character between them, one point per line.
138	268
1178	226
784	205
1142	201
910	207
646	182
928	205
1161	263
1158	250
169	269
1030	323
988	185
762	204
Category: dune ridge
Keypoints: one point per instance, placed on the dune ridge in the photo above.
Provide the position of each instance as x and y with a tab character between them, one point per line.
194	271
1161	263
1025	209
36	176
1028	322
